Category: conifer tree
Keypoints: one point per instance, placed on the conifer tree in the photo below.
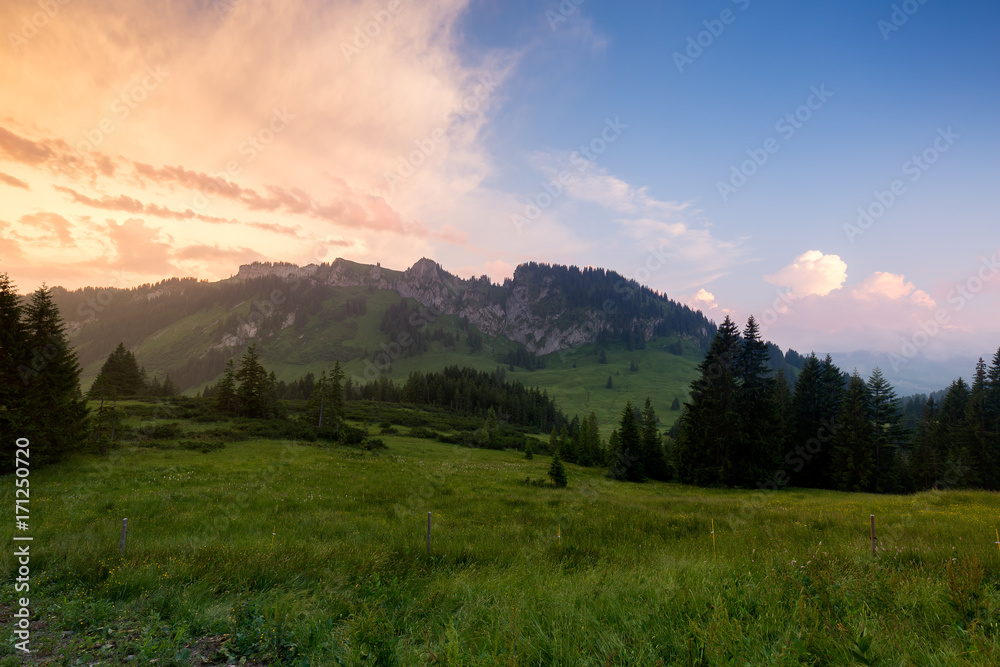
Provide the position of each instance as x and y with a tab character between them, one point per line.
710	422
783	420
630	442
616	462
991	408
959	468
55	414
120	376
225	399
887	434
926	460
852	456
557	473
755	450
13	338
597	454
252	392
584	456
652	445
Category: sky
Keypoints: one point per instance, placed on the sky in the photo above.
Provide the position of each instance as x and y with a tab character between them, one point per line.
829	168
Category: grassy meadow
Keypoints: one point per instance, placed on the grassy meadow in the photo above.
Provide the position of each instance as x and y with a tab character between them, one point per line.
285	553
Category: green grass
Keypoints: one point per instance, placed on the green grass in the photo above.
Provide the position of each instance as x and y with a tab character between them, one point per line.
600	573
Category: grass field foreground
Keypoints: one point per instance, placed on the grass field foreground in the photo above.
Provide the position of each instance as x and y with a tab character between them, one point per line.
285	553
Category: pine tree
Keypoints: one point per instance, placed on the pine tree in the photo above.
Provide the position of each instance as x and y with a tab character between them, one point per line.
852	457
888	434
529	451
225	399
630	442
13	339
594	446
783	420
710	422
120	376
754	452
253	385
55	415
652	445
926	461
959	469
676	405
584	456
616	462
556	471
991	408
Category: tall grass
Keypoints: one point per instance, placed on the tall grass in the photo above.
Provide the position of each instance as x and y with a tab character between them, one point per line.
308	555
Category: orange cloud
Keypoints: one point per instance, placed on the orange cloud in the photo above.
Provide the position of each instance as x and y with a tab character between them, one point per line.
13	182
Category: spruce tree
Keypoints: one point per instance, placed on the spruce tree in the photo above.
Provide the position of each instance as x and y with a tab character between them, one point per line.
959	469
888	434
594	446
926	460
120	376
252	393
710	422
616	462
991	407
556	471
55	414
13	339
630	442
754	452
652	445
225	399
853	456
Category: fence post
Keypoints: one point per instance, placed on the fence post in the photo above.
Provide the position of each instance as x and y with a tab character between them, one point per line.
428	534
121	543
873	534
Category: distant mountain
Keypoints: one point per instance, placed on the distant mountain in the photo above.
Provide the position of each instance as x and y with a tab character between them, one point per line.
374	320
913	375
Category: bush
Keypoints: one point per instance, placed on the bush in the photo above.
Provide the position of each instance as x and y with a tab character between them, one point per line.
423	432
371	444
351	436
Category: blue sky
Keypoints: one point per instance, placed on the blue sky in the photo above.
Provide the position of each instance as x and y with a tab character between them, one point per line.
210	134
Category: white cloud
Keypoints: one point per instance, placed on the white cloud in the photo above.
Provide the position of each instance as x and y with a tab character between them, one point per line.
812	272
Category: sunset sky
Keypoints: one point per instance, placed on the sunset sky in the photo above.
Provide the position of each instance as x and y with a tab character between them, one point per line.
716	151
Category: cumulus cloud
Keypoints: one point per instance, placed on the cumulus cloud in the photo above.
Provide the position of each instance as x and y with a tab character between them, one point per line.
703	300
884	285
812	272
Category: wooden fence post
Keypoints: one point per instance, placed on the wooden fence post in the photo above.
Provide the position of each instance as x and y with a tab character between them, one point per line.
873	534
121	543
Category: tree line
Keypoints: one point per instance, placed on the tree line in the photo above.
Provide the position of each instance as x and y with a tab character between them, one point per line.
40	397
744	426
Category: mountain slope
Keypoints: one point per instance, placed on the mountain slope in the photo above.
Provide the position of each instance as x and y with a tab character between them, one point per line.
376	320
